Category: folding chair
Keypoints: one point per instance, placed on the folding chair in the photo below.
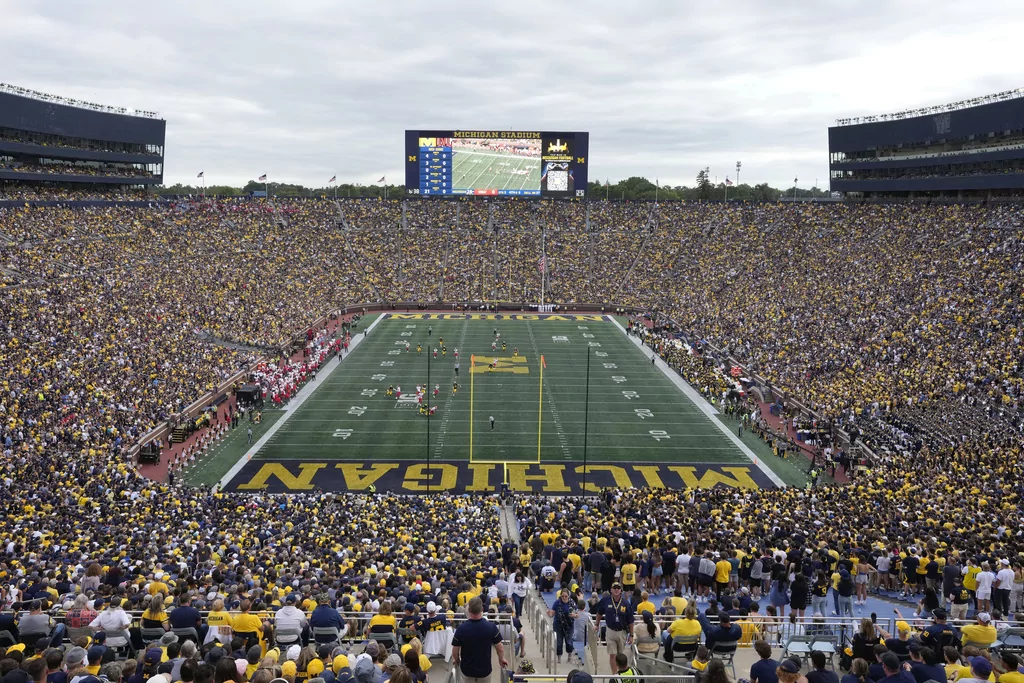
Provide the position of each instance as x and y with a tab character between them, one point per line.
150	635
799	646
648	659
190	633
250	637
121	642
828	645
686	646
288	635
325	635
1013	639
30	639
386	640
726	651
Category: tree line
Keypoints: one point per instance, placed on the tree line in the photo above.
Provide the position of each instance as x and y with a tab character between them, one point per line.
634	187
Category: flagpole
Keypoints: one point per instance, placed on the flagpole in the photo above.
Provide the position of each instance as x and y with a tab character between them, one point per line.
204	184
726	188
657	186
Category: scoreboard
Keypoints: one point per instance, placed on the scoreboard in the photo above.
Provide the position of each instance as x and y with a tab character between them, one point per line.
496	163
435	170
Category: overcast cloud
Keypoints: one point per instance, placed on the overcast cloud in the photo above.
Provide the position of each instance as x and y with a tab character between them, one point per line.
309	89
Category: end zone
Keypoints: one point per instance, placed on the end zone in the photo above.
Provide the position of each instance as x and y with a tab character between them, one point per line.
559	479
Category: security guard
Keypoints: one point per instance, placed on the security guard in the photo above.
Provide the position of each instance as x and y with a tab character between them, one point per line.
617	614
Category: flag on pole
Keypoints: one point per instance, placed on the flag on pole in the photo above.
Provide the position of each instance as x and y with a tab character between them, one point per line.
262	178
543	264
727	181
200	174
382	179
333	178
543	363
606	183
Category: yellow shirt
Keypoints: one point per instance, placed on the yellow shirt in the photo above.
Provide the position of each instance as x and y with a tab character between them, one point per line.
679	604
722	569
248	623
382	623
684	627
981	635
1012	677
971	578
750	631
219	619
965	671
629	574
646	605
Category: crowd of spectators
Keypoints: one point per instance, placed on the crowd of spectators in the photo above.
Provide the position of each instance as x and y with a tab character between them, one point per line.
62	142
902	323
67	168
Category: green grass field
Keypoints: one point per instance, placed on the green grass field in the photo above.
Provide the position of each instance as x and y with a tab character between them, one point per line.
641	428
494	170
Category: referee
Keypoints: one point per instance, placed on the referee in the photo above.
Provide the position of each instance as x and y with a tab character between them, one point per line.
492	423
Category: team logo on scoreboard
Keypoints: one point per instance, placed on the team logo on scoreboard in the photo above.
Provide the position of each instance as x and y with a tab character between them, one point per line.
558	146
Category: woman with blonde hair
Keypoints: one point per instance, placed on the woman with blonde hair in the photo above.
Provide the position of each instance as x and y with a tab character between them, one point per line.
383	622
219	623
155	616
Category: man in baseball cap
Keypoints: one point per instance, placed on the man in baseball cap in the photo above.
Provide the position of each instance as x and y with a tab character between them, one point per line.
982	634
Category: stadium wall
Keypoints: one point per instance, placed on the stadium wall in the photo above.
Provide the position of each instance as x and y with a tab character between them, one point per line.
37	116
959	123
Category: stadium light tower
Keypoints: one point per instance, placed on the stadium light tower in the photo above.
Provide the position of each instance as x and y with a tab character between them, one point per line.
794	188
738	164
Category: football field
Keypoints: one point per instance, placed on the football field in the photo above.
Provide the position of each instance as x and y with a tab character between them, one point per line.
635	426
493	170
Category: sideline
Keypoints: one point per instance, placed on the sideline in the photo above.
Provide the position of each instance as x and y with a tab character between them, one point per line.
701	403
289	410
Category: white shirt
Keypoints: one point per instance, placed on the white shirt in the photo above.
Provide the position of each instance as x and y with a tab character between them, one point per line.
1005	578
520	588
111	620
683	564
985	580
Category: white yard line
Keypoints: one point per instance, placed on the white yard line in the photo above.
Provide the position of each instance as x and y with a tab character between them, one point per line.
300	398
701	403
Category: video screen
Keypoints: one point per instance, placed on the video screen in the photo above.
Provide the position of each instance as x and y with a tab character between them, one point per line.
496	163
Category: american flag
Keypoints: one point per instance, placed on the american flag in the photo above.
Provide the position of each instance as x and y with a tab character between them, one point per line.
727	181
542	267
333	178
262	178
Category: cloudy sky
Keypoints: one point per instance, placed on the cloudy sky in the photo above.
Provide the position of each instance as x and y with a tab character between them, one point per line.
309	89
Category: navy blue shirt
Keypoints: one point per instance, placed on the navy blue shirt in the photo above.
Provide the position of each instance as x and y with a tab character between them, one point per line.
325	616
822	676
617	616
476	637
927	672
185	616
763	671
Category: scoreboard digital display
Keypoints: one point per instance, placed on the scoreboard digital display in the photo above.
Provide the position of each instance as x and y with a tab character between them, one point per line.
496	163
